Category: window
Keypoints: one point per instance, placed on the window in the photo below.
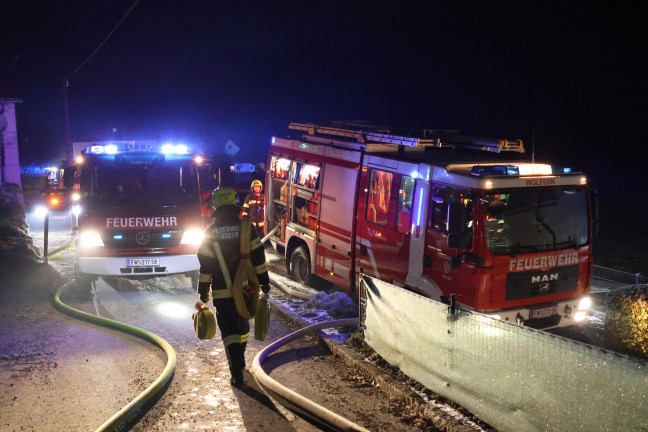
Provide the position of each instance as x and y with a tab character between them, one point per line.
404	209
439	219
536	220
308	176
280	169
379	195
440	200
280	186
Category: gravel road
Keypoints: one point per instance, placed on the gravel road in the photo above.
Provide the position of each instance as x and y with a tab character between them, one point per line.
58	373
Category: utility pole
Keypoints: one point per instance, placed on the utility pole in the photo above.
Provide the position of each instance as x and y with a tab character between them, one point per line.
68	143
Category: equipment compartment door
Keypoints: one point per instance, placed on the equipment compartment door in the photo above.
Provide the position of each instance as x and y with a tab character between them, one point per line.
383	234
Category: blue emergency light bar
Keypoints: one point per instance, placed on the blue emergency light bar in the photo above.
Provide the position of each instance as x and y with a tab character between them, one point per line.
134	146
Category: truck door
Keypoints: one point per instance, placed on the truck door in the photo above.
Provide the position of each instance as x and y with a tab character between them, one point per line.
447	266
384	225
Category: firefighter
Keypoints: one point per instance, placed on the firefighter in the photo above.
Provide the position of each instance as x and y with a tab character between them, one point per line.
254	206
206	205
219	256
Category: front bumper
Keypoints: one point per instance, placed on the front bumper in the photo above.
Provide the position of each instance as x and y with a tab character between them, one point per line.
564	314
116	266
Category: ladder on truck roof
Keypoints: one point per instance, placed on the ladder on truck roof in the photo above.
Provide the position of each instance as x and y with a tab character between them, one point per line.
380	140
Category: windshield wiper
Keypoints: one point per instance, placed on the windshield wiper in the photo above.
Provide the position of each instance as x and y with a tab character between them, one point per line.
545	226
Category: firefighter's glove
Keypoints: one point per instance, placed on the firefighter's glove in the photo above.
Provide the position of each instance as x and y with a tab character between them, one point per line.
204	298
265	289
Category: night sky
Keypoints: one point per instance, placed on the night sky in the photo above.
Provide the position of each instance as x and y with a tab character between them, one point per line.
566	77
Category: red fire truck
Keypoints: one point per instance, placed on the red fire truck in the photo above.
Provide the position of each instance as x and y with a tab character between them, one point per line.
444	215
139	211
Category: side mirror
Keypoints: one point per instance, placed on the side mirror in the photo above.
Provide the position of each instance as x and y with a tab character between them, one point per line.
456	218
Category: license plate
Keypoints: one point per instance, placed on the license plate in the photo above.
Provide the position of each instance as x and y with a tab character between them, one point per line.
544	312
142	262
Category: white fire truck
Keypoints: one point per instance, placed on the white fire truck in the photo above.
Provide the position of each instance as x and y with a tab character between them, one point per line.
140	210
447	216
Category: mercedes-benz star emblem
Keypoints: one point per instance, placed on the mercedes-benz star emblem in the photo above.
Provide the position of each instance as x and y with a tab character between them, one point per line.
142	237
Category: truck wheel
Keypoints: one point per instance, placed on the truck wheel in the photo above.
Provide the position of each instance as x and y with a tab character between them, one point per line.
111	280
300	269
83	282
194	275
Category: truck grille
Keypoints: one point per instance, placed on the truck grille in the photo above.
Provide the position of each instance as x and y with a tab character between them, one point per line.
539	283
141	239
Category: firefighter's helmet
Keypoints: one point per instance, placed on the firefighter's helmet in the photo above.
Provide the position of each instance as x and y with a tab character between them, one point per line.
223	196
256	183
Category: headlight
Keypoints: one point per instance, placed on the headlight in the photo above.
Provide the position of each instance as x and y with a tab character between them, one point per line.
585	303
41	211
192	236
580	315
89	239
76	196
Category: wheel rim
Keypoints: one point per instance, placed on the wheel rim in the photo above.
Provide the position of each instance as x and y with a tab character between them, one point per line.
301	269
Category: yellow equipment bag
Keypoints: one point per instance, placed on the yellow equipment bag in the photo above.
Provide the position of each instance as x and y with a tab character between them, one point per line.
261	319
204	322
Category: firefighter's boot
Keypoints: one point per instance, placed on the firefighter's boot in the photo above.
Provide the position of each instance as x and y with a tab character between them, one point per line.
236	361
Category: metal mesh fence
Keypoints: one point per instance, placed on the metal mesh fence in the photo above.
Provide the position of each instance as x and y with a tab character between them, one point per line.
617	277
514	378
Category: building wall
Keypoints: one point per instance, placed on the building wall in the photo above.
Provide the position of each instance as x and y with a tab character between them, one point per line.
10	171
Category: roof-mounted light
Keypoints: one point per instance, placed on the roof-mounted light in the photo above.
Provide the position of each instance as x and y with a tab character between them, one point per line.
534	169
494	170
110	149
172	148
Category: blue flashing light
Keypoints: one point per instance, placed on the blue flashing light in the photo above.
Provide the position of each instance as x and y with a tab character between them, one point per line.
110	149
118	237
171	148
166	235
139	147
419	208
567	170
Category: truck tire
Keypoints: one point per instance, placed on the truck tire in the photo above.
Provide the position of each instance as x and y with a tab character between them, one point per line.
194	276
300	266
83	282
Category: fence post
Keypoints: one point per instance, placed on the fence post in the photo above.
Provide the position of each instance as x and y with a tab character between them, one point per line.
637	278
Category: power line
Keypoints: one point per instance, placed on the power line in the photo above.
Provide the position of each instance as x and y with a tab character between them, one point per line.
104	41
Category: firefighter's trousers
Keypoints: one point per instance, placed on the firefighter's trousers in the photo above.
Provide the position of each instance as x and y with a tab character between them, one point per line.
235	331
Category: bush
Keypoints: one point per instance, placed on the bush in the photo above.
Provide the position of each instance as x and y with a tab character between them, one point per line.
627	320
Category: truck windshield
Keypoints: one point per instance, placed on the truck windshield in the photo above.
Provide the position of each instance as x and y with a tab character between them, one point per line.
521	221
118	180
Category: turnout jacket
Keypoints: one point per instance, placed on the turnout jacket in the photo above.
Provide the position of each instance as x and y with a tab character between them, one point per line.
220	249
253	206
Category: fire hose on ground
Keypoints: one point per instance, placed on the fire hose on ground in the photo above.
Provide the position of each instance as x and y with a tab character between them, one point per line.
129	414
306	406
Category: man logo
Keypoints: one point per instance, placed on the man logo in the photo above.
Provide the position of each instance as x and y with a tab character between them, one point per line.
142	237
544	278
544	287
